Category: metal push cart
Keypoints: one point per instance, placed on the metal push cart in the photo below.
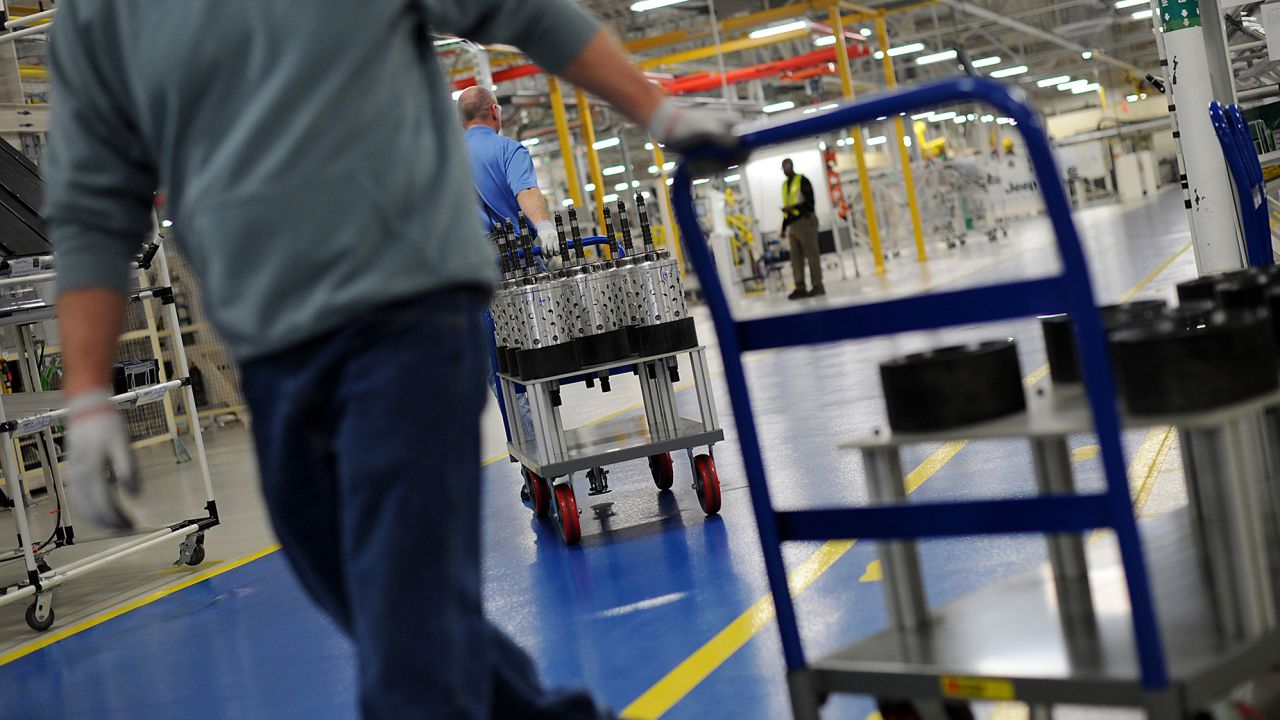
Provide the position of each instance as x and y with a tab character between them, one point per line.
1004	644
550	454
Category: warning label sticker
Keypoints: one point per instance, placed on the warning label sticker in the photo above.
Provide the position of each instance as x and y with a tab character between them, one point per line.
976	688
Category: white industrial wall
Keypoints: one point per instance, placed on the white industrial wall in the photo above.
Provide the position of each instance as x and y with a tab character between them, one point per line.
764	181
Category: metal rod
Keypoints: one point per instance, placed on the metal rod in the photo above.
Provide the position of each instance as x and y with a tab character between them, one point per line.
1052	461
32	18
566	141
859	154
593	158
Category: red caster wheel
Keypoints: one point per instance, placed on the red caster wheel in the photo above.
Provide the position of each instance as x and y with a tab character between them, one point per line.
567	514
663	470
539	493
706	483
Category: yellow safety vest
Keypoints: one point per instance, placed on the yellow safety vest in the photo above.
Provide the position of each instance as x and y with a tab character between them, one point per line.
791	194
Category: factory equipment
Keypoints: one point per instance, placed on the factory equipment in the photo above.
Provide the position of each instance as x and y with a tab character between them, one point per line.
1208	368
621	315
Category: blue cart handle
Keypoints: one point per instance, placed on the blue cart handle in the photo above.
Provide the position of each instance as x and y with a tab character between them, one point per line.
586	242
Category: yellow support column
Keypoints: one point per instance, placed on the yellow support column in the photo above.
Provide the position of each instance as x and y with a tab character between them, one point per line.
672	232
891	81
566	141
864	182
593	158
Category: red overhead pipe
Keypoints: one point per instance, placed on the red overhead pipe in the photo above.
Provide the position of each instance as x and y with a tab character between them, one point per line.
796	68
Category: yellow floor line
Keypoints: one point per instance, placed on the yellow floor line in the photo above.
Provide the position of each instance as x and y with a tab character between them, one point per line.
678	683
47	640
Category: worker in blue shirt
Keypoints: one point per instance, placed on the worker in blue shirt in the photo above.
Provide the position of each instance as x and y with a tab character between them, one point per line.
502	170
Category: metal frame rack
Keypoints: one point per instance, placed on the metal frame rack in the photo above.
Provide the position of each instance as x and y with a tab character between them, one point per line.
551	455
1060	513
36	413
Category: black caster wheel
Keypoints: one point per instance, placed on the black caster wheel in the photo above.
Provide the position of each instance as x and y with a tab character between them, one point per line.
43	567
37	623
197	555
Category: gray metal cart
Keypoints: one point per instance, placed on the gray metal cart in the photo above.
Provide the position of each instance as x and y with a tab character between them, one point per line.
551	454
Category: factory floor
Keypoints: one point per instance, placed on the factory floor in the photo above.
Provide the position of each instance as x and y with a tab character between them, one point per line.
660	611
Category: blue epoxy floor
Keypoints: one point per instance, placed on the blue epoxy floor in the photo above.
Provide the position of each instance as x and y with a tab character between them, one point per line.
652	581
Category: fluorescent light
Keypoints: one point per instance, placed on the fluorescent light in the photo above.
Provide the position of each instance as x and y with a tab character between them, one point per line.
825	40
1142	14
621	186
987	118
877	140
822	145
608	143
1142	96
614	170
635	183
809	111
830	106
648	146
589	187
941	117
530	142
669	165
906	49
921	116
1004	121
879	55
906	140
986	61
456	94
1131	98
732	178
567	202
778	106
644	5
1084	89
779	29
700	181
865	32
670	180
1056	80
653	169
840	142
610	198
644	194
960	120
1122	4
936	57
166	223
1009	71
1073	84
1086	55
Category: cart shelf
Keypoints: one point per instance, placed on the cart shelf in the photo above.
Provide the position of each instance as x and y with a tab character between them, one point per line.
612	442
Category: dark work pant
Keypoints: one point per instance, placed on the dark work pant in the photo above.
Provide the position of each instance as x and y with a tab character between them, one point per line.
803	234
368	441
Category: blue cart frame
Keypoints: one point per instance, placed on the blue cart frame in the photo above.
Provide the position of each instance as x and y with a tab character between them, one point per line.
1069	291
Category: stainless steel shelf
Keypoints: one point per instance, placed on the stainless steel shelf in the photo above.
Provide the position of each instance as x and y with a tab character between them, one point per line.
613	441
1012	632
1055	411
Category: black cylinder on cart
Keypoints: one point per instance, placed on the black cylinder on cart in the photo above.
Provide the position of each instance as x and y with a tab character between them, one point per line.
953	386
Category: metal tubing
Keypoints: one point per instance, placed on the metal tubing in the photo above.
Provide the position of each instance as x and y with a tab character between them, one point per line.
593	158
29	19
903	581
13	480
106	557
11	36
908	178
30	373
1052	461
153	336
702	386
566	141
864	181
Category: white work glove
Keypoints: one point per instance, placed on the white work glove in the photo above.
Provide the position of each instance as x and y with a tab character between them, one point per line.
101	477
549	239
682	128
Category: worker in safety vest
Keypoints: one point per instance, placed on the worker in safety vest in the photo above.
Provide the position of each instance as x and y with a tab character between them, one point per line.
800	225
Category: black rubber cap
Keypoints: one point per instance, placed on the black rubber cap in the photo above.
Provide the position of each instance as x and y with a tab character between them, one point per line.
953	386
1194	360
1199	289
1060	338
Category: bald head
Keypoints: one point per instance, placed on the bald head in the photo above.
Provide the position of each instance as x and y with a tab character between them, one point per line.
478	106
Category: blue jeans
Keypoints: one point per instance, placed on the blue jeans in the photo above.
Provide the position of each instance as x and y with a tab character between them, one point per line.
368	441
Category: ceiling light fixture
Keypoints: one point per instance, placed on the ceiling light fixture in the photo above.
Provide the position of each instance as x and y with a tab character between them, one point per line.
1009	71
1142	14
645	5
1122	4
778	106
1086	55
906	49
824	40
607	143
732	178
936	57
530	142
614	170
986	61
877	140
1057	80
779	29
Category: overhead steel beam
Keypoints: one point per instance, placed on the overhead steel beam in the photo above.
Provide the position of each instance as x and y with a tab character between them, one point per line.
995	17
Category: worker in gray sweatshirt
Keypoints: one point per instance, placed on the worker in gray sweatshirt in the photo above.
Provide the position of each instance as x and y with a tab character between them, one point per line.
317	181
